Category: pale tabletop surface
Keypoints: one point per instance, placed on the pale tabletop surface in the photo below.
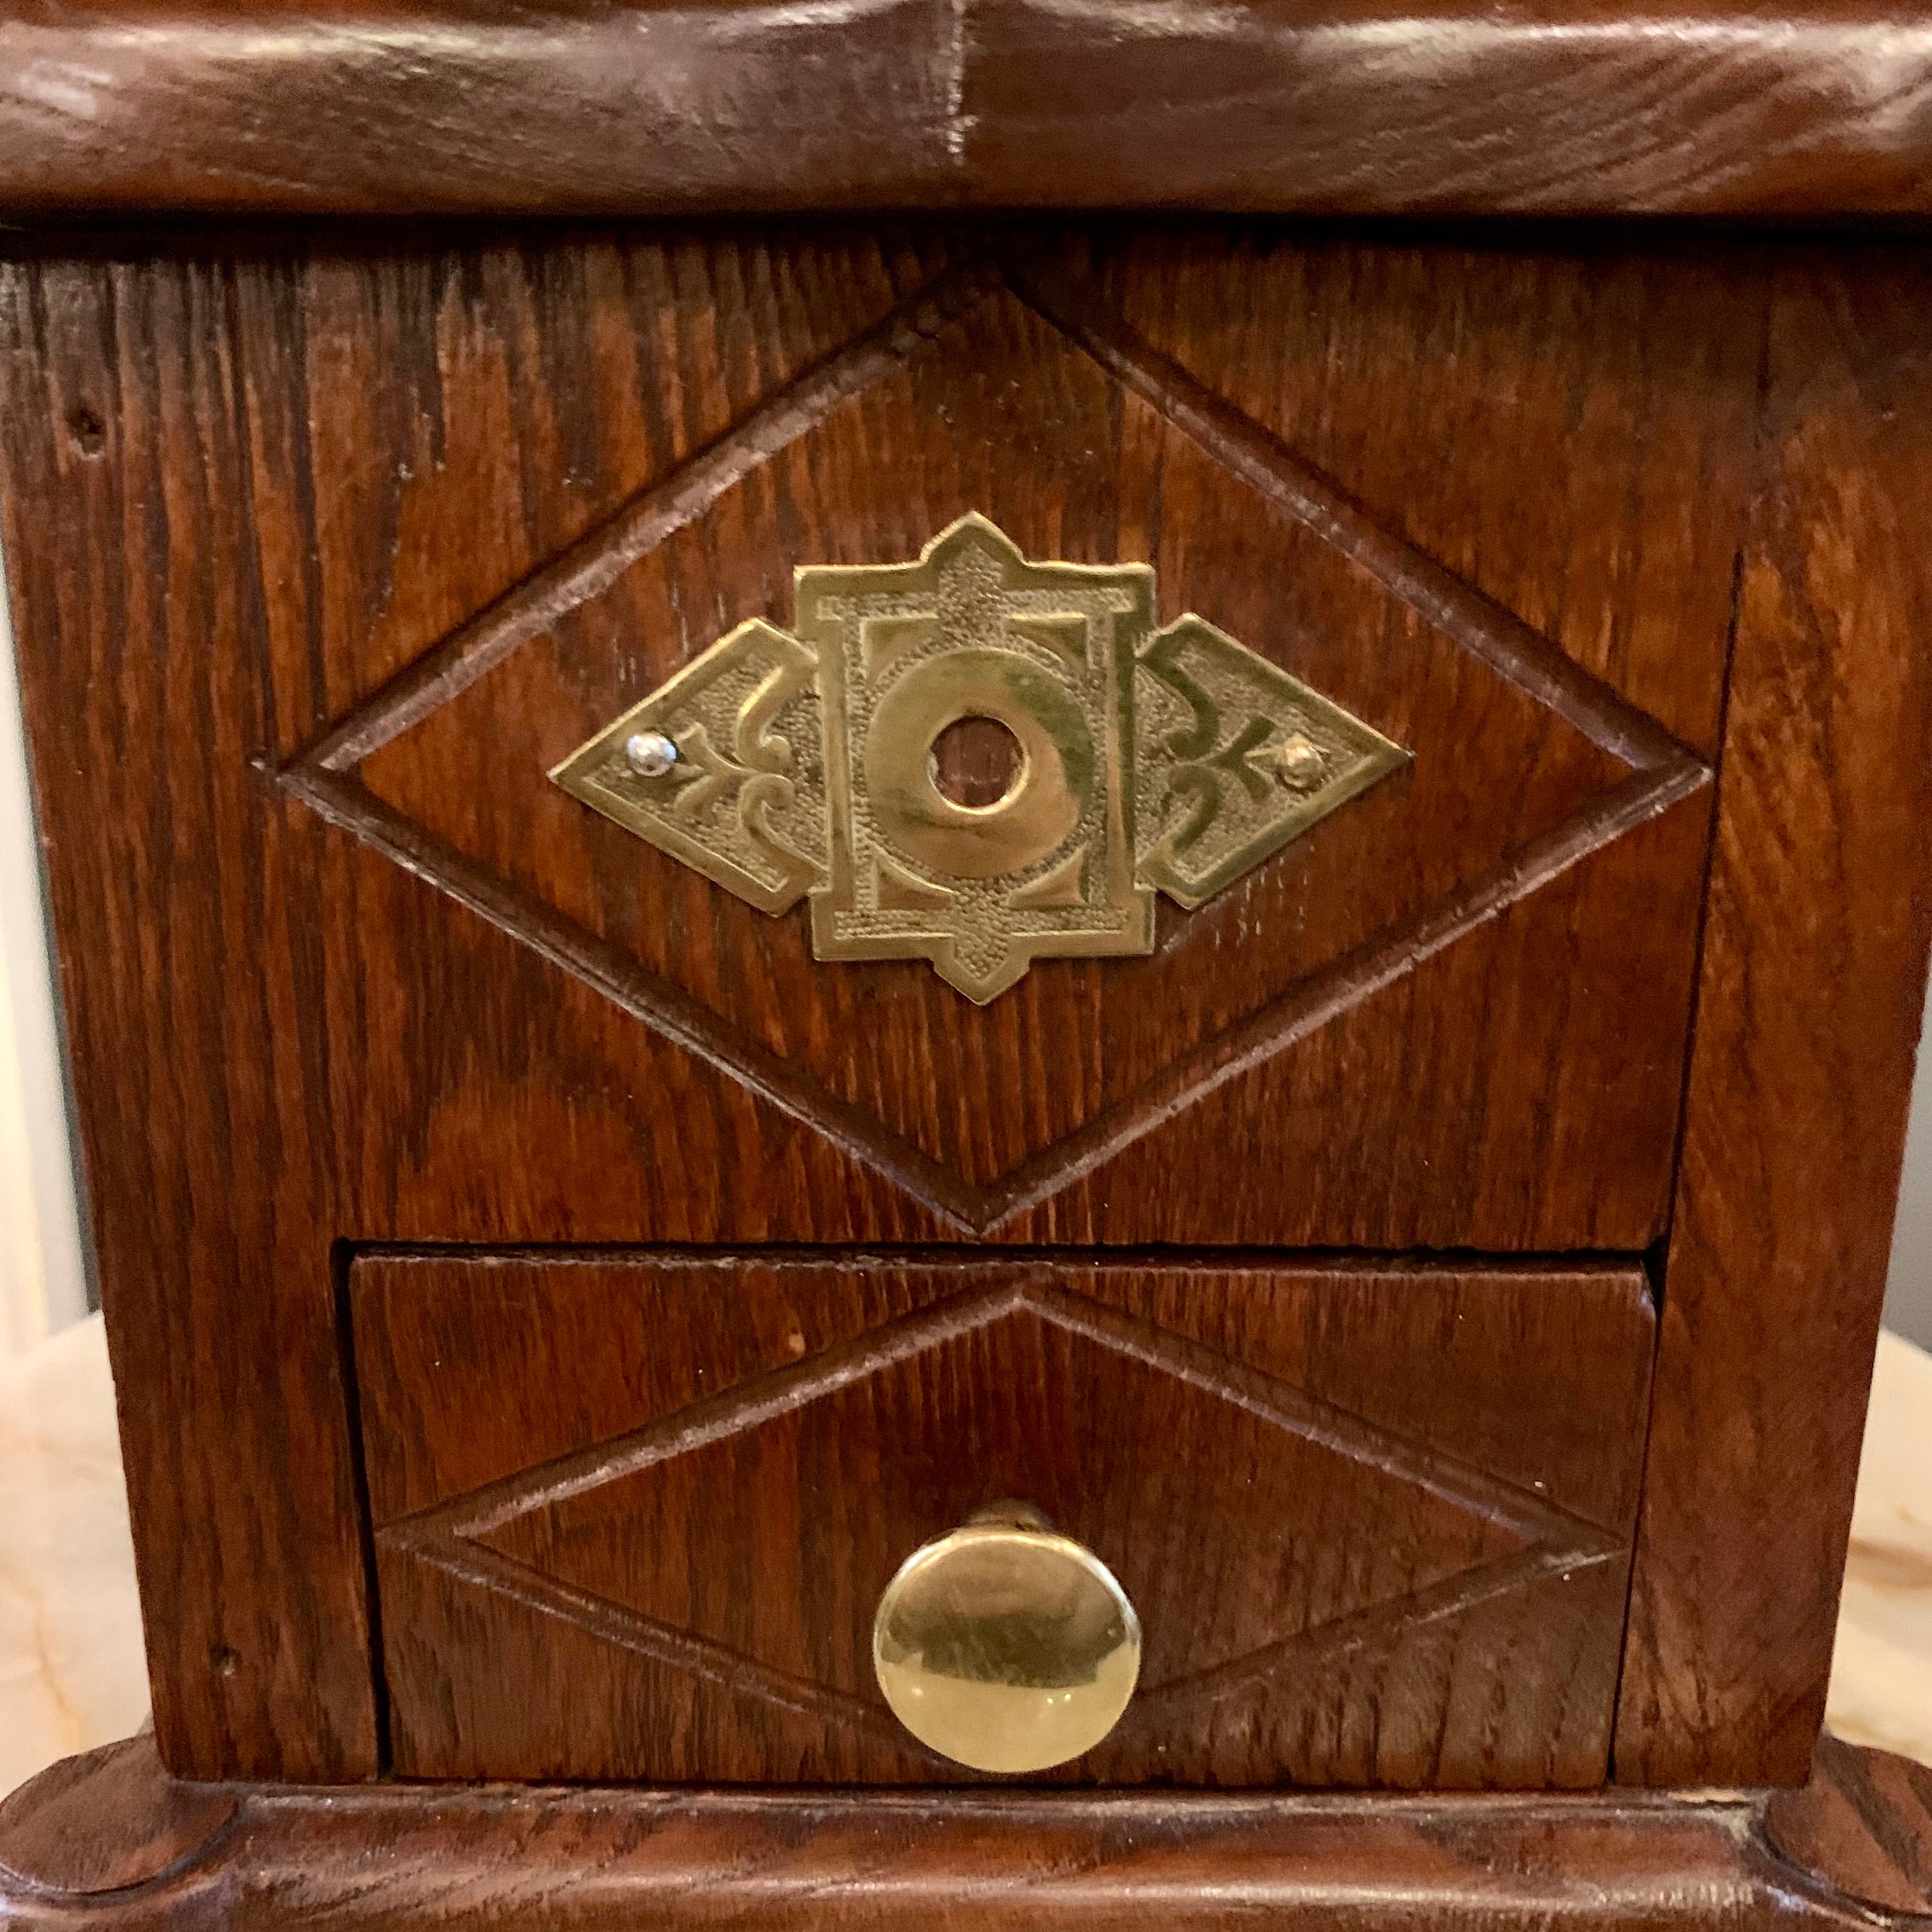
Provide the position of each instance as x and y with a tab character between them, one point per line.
72	1674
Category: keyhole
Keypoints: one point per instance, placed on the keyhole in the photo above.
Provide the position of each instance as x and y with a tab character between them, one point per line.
977	761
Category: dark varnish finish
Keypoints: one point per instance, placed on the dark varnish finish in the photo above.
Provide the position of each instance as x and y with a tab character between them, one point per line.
251	490
610	107
1862	1822
1808	1016
584	1860
104	1822
321	551
1368	959
634	1514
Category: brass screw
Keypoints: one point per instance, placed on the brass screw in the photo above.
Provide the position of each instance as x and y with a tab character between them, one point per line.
1298	761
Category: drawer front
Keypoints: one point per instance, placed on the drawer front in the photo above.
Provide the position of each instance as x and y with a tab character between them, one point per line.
1430	1004
634	1515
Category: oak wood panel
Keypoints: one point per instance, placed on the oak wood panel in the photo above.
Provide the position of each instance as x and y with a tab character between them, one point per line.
550	1114
206	1128
1409	384
1812	986
169	535
1070	467
634	1515
430	424
386	1857
246	487
1559	106
1090	446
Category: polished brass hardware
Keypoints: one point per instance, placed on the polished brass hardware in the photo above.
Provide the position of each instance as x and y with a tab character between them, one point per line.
781	765
1005	1646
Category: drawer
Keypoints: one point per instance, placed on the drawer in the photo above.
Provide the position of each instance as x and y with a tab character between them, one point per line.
783	1015
634	1513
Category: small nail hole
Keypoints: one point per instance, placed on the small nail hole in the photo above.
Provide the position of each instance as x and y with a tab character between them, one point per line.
226	1662
89	434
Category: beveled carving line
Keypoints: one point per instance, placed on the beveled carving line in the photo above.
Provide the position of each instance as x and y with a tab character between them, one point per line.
445	1534
604	553
1323	996
1359	1629
783	1391
1468	617
668	1011
482	1568
974	1208
980	1208
755	1402
1326	1424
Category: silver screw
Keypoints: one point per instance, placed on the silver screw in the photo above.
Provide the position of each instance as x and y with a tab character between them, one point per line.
649	754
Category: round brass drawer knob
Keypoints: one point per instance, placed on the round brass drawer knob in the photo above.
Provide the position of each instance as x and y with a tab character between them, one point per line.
1005	1646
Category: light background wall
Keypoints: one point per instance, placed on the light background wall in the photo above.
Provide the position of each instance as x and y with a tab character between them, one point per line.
1908	1305
43	1281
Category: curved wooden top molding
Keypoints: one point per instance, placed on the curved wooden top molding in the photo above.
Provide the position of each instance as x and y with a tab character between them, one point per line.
1555	107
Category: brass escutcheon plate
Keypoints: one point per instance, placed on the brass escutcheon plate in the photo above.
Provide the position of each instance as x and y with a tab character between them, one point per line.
781	764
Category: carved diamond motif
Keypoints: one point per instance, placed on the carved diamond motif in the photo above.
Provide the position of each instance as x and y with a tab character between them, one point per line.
906	1412
443	769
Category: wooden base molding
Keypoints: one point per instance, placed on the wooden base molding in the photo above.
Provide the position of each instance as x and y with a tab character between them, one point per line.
1863	1825
111	1839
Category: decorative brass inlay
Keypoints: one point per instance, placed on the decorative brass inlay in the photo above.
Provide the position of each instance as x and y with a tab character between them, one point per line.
1174	760
1005	1646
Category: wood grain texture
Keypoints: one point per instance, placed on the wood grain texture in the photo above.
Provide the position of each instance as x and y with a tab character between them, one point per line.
633	1516
1522	768
167	881
257	497
107	1820
382	1859
1862	1822
169	535
421	428
1408	384
1563	106
1813	982
1537	796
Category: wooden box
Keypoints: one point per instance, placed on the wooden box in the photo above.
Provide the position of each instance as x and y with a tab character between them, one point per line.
556	1276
